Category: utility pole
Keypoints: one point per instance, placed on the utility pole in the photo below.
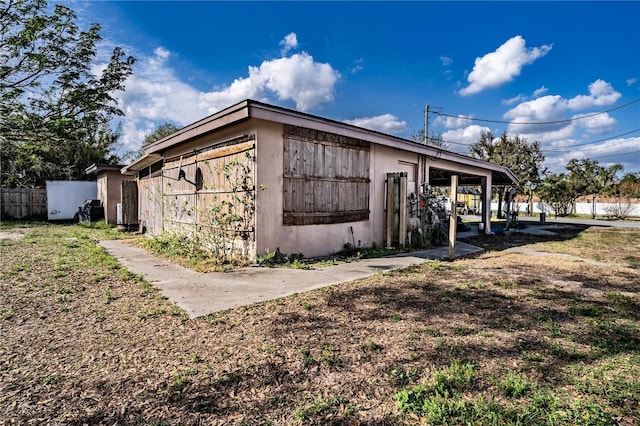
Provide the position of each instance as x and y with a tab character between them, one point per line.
426	124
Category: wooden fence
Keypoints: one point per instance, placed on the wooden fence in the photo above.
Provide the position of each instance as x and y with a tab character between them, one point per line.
23	203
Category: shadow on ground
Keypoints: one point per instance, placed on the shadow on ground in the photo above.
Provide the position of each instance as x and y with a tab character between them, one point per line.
522	237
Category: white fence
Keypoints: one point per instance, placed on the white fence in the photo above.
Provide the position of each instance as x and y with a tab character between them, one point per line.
602	209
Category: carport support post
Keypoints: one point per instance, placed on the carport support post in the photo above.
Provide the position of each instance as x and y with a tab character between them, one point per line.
453	218
486	203
403	210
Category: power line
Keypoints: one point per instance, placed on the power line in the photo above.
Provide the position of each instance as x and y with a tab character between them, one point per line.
592	142
597	156
468	144
568	120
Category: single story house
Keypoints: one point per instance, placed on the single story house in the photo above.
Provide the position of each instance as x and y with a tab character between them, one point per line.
255	177
115	190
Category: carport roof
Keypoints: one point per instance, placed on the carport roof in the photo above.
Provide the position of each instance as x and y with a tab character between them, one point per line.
248	109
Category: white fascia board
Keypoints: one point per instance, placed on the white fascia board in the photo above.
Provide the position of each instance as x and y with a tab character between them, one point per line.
294	118
140	163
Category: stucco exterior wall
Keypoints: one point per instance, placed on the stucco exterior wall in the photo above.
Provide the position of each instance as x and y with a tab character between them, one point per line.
387	160
109	192
317	240
300	175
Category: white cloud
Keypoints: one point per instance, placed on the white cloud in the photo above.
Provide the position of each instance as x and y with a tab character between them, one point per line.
289	42
563	141
357	67
298	78
461	139
446	61
540	109
565	133
453	122
386	123
596	124
502	65
523	98
539	92
514	100
601	93
631	81
161	52
155	93
553	108
618	150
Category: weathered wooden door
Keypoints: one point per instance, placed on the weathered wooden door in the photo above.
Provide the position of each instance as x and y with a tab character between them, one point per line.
396	209
129	201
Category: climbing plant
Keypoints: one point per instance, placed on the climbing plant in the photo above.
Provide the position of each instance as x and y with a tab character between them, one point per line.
426	206
226	223
209	209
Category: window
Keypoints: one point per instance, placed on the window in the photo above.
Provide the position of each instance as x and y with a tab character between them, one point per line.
326	177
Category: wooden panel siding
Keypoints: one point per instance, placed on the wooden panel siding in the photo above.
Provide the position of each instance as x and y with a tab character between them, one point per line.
212	191
150	204
326	178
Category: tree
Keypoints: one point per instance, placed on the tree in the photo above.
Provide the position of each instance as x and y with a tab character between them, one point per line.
56	104
162	131
583	177
622	193
588	177
433	140
523	158
606	181
629	185
556	191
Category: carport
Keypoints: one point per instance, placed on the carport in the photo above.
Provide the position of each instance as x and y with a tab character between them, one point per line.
446	173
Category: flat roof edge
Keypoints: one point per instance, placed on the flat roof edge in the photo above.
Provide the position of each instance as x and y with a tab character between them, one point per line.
255	109
140	163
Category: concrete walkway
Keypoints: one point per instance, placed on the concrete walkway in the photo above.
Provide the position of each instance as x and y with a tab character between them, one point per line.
203	293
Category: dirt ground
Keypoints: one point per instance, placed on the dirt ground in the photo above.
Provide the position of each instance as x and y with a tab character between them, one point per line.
86	342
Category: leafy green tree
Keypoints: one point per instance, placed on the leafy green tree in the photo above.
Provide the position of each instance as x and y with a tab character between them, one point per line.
162	131
556	191
56	103
583	177
522	157
588	177
606	182
629	185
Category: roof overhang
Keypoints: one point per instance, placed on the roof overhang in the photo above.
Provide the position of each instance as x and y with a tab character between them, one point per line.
99	168
442	177
500	175
141	163
253	109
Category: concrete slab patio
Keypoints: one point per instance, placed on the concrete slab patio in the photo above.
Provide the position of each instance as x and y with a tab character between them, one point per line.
204	293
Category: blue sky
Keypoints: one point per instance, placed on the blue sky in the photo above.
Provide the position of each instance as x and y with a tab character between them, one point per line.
479	66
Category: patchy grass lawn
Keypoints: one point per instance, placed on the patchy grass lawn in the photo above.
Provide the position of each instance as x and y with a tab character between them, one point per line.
501	338
619	245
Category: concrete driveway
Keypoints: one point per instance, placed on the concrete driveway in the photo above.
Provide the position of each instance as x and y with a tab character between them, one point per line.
204	293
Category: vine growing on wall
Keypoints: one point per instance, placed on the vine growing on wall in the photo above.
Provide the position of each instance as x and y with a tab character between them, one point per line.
226	224
426	207
222	228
